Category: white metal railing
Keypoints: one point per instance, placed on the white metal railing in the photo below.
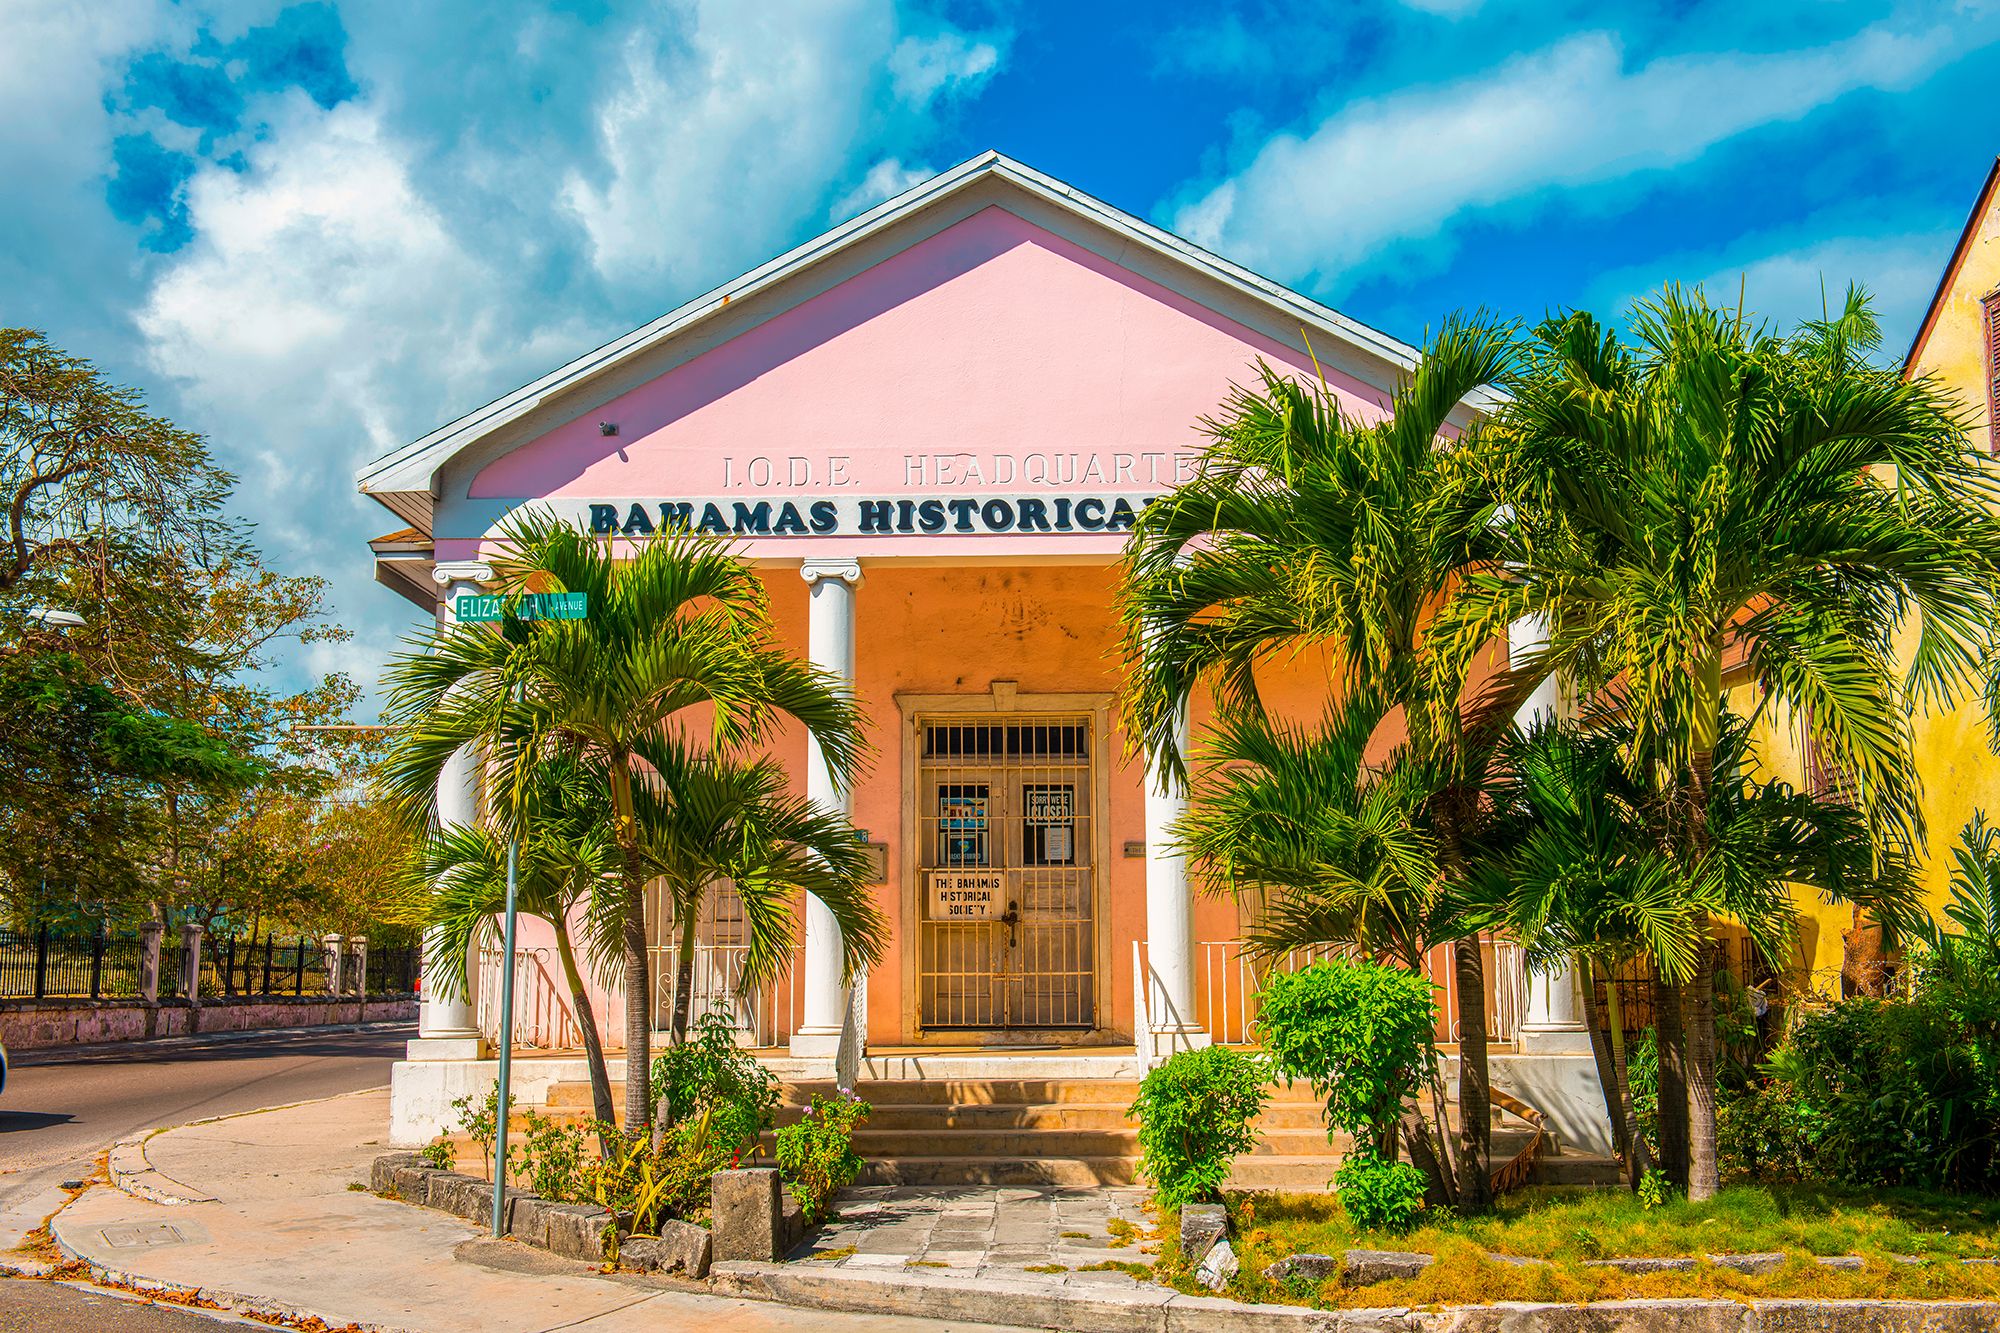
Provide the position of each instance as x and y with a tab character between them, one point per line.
1229	980
543	1016
765	1016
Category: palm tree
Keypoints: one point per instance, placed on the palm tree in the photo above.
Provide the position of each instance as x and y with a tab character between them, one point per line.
1717	489
566	868
706	822
1337	851
1305	528
1570	851
681	625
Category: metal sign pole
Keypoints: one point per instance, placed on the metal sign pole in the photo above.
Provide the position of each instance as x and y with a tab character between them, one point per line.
506	1084
506	1050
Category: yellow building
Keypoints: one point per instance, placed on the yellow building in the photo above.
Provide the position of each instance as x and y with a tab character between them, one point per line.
1958	343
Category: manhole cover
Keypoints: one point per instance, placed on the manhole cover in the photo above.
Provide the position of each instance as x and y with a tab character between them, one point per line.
136	1237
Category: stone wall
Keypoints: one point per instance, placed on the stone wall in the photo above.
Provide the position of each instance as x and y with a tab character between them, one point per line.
27	1025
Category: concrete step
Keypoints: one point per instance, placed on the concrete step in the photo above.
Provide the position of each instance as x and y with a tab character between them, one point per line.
990	1116
974	1092
1044	1115
1306	1174
1058	1172
1578	1169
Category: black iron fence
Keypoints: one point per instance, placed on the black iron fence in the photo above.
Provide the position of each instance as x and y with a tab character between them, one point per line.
43	964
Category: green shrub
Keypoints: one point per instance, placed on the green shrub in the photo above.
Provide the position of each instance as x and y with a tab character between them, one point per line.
1890	1092
480	1122
709	1071
1364	1035
1195	1113
1758	1135
439	1154
1361	1033
1642	1071
1380	1195
555	1158
816	1156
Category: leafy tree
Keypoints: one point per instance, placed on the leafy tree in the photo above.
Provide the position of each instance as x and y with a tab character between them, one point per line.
79	770
1716	490
682	625
1307	529
85	468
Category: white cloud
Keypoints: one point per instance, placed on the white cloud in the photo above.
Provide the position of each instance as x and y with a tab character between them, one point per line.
314	275
717	145
920	68
885	180
1403	168
1444	8
374	270
1786	278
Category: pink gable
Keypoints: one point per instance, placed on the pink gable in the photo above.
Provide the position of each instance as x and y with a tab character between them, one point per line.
994	358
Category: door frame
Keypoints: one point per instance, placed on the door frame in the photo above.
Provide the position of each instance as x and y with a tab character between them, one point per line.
1003	700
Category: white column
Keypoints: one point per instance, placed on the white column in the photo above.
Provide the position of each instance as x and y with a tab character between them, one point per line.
1170	1013
1552	1021
830	647
448	1028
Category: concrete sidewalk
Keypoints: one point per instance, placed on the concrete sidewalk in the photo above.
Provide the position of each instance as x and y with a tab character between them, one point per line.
272	1226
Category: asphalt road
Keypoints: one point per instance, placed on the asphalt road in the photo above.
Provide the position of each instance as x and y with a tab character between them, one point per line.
49	1307
63	1107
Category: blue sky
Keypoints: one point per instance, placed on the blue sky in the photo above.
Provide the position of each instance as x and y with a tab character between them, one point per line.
315	230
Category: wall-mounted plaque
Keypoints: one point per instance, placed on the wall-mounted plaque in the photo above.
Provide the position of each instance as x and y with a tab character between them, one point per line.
967	895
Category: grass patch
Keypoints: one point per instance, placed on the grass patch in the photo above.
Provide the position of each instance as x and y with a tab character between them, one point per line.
924	1263
1045	1268
1569	1227
1141	1271
844	1252
1123	1233
1076	1235
1593	1224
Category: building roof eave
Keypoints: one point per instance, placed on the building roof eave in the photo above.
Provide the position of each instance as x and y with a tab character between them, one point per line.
1950	275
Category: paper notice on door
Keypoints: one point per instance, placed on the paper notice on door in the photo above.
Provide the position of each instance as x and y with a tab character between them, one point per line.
967	895
1056	847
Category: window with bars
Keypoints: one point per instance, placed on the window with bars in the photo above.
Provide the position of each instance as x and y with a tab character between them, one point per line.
1989	320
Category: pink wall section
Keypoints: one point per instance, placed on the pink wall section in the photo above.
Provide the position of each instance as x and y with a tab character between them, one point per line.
994	357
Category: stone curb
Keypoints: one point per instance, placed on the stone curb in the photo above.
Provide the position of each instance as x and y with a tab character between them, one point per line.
138	1177
135	1175
1164	1310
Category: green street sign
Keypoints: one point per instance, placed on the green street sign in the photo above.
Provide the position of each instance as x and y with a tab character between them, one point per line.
529	606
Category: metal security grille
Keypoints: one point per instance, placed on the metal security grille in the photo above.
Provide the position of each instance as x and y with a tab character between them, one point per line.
1006	889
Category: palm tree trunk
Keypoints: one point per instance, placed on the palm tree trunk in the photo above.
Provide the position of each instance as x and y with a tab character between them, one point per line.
1672	1086
632	934
1608	1083
1698	1008
684	970
1699	1015
593	1044
1475	1104
1638	1157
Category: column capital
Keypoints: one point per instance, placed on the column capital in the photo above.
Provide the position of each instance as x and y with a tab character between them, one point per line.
845	568
462	571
